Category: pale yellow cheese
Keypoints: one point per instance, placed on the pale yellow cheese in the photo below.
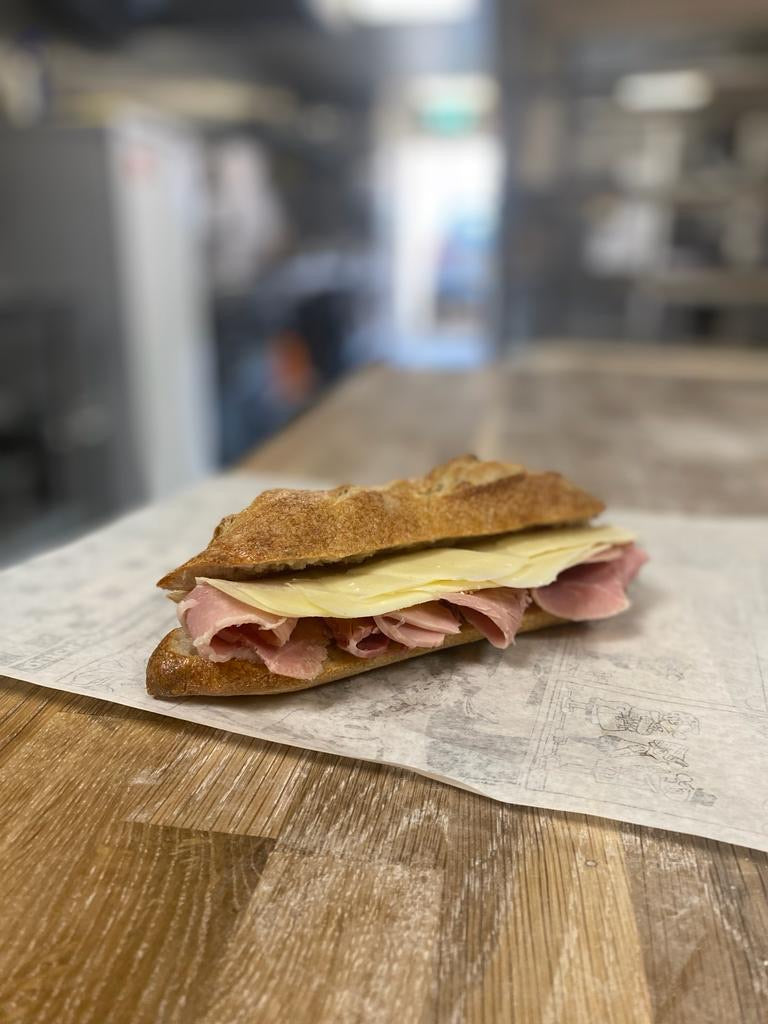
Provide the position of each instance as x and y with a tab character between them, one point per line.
530	559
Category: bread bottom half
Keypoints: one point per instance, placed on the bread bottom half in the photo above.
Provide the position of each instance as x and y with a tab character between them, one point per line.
176	670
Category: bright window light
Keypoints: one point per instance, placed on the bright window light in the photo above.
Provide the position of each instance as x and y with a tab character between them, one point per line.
476	91
386	12
664	90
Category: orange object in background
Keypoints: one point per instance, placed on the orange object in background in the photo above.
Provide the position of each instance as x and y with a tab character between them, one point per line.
292	374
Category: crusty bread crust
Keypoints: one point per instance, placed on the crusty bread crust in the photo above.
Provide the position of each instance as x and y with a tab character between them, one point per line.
175	670
465	498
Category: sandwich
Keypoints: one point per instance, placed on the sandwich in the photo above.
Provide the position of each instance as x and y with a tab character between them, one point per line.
305	587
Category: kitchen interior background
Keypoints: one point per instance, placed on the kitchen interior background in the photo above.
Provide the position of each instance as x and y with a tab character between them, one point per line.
212	210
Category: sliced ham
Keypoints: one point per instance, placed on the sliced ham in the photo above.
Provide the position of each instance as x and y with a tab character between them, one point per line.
301	657
422	625
611	554
222	628
361	637
205	611
593	590
634	558
496	612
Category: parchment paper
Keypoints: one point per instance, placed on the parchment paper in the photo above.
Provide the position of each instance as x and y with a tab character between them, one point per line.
658	717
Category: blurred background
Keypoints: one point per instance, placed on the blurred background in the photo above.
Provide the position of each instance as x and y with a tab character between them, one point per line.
213	210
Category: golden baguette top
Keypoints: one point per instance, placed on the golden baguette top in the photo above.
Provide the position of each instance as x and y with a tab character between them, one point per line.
292	529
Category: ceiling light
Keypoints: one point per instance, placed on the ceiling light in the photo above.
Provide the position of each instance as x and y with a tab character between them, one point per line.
664	90
386	12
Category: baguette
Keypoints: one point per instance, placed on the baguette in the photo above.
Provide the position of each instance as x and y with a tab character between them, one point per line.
463	499
286	531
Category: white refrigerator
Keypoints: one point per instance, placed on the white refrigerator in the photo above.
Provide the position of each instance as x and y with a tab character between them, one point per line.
110	220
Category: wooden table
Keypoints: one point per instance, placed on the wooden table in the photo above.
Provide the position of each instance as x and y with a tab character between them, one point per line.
155	871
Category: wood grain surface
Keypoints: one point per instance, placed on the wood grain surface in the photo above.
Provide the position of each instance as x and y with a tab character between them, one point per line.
157	872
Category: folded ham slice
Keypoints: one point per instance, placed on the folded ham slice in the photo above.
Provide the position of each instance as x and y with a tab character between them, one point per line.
631	562
222	628
610	554
592	590
422	625
205	611
496	612
361	637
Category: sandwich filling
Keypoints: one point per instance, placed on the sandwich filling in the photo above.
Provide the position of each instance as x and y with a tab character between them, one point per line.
414	600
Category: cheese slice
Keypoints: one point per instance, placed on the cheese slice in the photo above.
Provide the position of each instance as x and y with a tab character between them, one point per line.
529	559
